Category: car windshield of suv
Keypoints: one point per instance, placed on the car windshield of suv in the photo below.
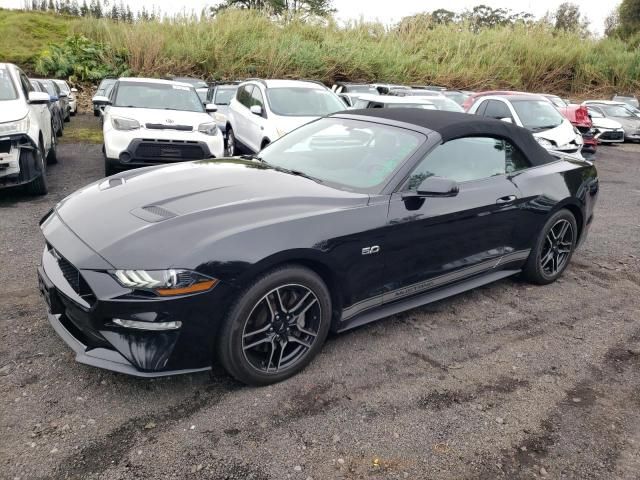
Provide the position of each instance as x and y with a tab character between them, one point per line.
7	90
195	82
537	115
224	95
48	85
347	154
161	96
63	86
303	102
446	104
457	97
616	111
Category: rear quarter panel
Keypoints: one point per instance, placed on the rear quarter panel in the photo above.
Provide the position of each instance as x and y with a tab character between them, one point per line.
550	187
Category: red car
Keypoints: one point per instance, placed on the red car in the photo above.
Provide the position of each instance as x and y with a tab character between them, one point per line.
576	114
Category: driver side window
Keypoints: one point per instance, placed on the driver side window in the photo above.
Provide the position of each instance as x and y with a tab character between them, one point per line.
468	159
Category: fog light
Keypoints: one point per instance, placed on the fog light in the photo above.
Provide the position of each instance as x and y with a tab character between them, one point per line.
147	325
125	157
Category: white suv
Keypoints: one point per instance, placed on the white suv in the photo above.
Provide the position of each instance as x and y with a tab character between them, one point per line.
153	122
27	137
264	110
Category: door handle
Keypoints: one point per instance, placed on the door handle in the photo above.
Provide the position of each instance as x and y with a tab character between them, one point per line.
507	199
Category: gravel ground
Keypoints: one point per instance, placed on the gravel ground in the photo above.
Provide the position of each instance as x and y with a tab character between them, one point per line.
507	381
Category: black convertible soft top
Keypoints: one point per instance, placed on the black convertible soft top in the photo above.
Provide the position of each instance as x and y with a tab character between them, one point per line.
451	125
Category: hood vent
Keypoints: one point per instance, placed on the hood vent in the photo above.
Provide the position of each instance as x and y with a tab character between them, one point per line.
153	213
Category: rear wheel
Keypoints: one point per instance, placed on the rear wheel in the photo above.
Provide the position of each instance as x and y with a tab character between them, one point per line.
39	185
553	249
276	326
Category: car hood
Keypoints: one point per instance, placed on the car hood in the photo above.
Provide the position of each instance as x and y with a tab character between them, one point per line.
179	208
166	118
12	110
560	135
629	124
606	123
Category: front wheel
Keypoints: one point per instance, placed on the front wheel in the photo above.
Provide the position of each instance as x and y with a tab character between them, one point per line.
231	143
553	249
276	326
39	186
52	156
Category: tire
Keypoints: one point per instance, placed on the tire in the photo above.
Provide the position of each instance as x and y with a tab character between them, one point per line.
109	168
257	318
67	118
96	113
553	249
38	186
52	156
231	143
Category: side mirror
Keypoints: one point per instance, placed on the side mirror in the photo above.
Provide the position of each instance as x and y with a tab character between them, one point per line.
256	110
101	100
210	107
507	120
435	187
53	98
39	98
74	90
63	95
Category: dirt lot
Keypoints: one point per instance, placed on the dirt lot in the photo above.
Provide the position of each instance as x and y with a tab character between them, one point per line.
508	381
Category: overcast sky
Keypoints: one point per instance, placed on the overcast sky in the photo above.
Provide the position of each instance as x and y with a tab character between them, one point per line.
390	11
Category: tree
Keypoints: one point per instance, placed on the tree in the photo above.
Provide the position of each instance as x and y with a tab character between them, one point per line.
84	9
612	23
280	7
629	15
443	16
569	18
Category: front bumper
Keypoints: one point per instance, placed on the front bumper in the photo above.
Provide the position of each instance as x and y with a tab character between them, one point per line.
15	168
604	135
82	303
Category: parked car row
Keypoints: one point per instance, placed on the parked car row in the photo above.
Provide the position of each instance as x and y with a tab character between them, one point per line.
32	115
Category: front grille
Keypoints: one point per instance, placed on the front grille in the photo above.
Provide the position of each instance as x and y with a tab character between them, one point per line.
612	136
74	278
162	126
169	150
5	146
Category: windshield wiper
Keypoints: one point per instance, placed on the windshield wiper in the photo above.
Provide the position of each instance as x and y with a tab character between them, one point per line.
297	173
253	157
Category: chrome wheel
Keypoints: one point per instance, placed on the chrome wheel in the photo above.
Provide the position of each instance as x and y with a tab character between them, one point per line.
281	328
557	248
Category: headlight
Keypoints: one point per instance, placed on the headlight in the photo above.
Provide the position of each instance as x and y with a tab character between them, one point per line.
208	128
20	126
165	283
544	143
121	123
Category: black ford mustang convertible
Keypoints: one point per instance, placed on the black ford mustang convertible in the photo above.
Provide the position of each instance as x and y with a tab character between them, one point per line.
346	220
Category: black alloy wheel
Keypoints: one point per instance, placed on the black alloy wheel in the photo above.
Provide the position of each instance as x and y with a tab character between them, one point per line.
553	249
276	326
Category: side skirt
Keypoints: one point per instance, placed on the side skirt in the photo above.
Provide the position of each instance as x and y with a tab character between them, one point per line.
389	309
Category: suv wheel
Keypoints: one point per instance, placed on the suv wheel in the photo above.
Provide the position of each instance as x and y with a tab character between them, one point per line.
231	143
276	327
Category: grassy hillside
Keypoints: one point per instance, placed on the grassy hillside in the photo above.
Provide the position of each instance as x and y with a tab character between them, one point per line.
238	44
24	34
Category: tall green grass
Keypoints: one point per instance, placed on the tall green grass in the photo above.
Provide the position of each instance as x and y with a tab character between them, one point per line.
238	44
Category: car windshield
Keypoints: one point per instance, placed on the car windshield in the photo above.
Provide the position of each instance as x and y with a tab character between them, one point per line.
303	102
224	95
537	115
446	104
202	94
595	113
48	85
628	100
195	82
7	90
360	89
424	106
62	85
616	111
162	96
558	102
351	155
105	85
457	97
416	93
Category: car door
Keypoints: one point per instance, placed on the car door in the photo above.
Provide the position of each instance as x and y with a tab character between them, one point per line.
241	115
256	123
445	239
